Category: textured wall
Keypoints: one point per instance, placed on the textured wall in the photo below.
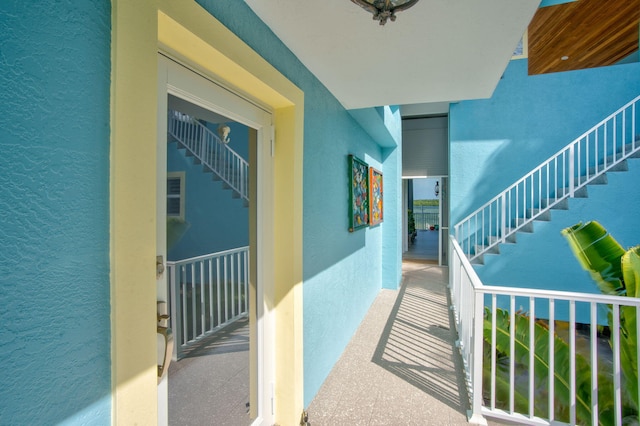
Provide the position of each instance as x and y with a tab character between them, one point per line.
217	221
54	202
496	141
342	270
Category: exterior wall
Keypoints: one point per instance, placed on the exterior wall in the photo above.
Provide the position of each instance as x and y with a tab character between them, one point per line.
343	272
217	221
54	199
496	141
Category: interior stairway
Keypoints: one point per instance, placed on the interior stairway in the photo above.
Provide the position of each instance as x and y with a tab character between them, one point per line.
206	148
605	148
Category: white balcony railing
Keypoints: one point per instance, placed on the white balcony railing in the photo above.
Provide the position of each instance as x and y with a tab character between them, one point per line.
562	176
560	364
206	293
215	155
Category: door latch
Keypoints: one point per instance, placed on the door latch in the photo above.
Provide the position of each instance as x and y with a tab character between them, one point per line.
167	340
159	266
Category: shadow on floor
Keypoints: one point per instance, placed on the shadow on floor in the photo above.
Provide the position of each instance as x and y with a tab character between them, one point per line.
232	338
417	343
401	367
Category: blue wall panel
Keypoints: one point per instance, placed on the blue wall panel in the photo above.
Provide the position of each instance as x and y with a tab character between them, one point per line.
54	199
496	141
342	271
217	221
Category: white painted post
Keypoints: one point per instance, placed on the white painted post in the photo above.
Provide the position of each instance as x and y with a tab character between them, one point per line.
571	169
503	219
175	299
475	416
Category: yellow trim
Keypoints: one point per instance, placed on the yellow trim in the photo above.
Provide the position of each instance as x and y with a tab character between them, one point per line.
133	212
185	30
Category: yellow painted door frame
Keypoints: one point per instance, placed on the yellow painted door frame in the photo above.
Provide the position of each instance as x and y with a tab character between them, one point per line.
189	33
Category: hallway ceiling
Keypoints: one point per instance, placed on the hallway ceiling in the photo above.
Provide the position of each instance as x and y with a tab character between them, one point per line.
437	51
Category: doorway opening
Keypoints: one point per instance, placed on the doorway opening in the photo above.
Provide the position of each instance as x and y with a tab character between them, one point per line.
211	153
423	219
208	257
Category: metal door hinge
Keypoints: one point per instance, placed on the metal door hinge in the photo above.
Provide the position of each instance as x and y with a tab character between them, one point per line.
273	141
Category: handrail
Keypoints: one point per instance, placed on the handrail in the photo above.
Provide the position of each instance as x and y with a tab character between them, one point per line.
476	309
207	293
561	176
206	256
216	155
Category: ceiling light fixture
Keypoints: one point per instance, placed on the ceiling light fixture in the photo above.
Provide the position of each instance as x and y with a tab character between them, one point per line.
383	10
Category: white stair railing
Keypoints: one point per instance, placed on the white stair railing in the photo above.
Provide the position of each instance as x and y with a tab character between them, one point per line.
207	293
214	154
578	351
562	176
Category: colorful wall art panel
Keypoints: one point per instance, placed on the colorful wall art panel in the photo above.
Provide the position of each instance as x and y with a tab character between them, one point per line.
358	193
375	196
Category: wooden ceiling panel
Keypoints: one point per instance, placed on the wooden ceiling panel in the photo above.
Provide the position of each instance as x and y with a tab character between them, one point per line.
590	33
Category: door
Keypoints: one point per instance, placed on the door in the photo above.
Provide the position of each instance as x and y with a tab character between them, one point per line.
425	154
178	81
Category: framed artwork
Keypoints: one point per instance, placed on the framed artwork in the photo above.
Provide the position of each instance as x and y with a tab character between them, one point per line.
358	193
375	197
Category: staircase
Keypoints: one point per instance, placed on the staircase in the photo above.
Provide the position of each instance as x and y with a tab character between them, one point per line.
585	161
209	150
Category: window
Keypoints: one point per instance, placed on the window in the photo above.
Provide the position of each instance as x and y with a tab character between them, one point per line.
175	194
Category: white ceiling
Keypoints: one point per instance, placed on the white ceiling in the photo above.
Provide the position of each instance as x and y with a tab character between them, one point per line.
436	51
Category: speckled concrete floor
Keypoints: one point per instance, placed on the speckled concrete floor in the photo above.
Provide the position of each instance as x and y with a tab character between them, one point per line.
210	386
401	366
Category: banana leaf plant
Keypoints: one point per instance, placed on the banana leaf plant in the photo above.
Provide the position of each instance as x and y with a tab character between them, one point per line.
616	272
541	367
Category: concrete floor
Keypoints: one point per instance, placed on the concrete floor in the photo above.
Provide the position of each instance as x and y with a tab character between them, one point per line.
210	385
401	367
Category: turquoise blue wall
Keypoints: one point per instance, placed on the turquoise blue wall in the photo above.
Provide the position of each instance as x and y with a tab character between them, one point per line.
391	241
342	271
217	221
54	198
546	3
496	141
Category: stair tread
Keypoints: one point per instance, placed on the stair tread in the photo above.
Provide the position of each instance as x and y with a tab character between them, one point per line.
208	150
556	201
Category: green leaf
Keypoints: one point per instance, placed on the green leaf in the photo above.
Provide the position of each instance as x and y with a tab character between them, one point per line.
628	324
562	356
630	265
618	273
599	254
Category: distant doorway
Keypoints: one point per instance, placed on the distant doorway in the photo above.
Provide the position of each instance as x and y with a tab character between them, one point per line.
427	220
425	162
423	219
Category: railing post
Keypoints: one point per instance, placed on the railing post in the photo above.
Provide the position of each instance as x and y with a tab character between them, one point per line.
175	299
571	169
203	144
503	217
475	416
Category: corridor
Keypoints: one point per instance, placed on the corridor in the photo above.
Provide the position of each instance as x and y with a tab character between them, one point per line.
401	366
